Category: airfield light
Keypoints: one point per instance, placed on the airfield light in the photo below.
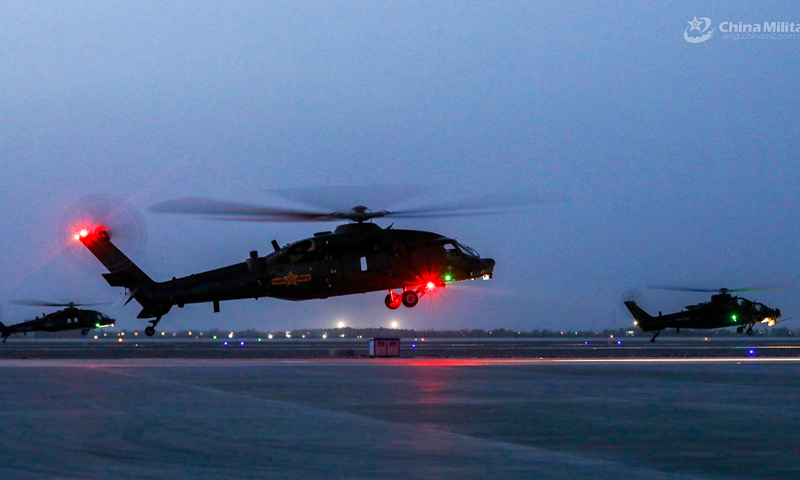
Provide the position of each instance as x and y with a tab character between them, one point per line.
733	317
269	335
96	325
448	277
325	335
230	335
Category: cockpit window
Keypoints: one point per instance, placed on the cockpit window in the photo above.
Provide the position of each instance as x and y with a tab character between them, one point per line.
468	251
451	249
455	249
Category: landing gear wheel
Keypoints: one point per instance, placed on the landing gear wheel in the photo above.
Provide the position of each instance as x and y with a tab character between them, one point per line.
150	331
392	300
410	298
750	331
739	329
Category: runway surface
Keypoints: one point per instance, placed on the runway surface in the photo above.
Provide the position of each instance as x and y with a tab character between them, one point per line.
732	415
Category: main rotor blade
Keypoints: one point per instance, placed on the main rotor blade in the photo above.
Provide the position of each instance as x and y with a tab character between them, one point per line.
42	303
233	211
341	198
482	205
714	290
222	210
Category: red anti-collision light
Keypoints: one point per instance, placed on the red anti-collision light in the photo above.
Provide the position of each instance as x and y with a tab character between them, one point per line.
84	234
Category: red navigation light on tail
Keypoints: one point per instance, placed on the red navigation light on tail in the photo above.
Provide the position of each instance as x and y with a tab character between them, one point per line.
90	234
80	234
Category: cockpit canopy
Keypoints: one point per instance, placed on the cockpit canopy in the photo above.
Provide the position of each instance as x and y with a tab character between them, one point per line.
453	248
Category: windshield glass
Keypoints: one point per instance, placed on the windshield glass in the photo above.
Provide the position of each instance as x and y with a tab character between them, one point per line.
467	250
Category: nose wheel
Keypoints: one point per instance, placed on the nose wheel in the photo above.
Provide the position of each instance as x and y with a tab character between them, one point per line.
392	300
409	298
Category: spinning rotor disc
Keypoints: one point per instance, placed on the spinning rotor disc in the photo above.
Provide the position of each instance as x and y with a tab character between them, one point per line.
43	303
242	212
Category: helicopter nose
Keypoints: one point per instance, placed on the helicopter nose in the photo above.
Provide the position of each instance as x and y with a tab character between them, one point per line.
486	267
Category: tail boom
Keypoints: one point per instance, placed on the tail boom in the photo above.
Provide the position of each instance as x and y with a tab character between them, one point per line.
122	272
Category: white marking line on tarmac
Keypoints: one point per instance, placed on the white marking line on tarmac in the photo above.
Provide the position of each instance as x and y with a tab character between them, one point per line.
400	362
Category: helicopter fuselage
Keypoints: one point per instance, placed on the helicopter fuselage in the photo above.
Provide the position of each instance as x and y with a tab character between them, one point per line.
67	319
354	258
722	311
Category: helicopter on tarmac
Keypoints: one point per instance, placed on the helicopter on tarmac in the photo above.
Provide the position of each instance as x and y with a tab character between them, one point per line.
69	318
724	310
356	257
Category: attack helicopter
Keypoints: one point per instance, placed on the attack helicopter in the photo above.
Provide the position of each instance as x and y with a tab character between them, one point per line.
724	310
69	318
356	257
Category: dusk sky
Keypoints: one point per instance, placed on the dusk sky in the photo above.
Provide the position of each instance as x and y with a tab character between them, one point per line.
679	160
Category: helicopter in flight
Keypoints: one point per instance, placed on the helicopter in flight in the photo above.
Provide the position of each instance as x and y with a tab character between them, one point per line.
724	310
356	257
69	318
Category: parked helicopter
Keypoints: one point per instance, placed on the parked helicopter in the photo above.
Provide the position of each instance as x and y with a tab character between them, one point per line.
69	318
356	257
724	310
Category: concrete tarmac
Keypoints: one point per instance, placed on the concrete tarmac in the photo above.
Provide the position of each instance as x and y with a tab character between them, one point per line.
422	417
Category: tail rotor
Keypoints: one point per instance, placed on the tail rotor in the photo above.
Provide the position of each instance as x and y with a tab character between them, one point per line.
101	212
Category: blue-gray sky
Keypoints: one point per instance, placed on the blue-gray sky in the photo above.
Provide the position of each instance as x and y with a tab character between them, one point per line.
679	159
